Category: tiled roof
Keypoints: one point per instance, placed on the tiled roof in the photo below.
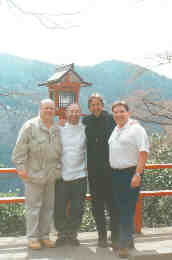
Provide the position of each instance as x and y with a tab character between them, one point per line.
60	73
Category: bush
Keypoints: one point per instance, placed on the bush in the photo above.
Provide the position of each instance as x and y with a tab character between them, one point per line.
12	220
157	211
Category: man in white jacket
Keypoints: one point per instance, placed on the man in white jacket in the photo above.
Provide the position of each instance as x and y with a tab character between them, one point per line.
71	189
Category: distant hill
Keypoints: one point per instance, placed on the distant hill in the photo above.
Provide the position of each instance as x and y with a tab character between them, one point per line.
112	79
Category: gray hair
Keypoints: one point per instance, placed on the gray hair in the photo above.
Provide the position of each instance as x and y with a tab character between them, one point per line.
73	104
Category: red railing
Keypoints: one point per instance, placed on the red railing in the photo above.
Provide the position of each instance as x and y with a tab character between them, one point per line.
138	216
8	200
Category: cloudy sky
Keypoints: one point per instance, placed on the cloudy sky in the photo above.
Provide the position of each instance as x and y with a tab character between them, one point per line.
128	30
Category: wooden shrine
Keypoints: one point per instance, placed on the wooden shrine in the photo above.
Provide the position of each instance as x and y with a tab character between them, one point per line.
64	87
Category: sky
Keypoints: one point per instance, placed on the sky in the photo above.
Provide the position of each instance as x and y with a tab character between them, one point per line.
128	30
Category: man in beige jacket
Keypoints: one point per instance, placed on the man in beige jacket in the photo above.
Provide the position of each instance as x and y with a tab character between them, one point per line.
37	156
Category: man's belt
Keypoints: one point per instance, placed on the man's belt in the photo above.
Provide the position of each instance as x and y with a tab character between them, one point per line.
125	169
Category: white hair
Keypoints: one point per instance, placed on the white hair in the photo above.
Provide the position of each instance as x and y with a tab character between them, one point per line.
46	100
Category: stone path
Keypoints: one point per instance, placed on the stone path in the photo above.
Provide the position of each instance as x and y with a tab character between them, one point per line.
151	244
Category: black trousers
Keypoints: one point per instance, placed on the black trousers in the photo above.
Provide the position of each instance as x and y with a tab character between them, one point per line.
74	193
102	199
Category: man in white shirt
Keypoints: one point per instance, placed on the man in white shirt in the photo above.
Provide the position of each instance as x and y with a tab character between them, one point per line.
128	151
71	189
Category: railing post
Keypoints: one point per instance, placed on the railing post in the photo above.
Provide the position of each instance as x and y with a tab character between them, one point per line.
138	215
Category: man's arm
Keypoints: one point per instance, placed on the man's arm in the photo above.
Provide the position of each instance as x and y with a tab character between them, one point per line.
136	180
142	143
20	152
85	120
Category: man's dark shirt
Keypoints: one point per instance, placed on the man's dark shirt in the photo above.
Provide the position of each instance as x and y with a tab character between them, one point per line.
98	131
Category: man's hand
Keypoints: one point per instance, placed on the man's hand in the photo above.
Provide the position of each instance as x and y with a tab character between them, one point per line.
136	181
23	175
62	122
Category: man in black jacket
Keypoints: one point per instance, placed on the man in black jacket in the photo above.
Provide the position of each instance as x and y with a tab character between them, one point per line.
99	126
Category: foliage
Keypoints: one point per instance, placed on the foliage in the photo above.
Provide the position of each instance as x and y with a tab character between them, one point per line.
12	220
157	211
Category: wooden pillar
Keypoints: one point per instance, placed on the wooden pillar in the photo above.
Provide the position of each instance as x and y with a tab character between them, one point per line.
138	215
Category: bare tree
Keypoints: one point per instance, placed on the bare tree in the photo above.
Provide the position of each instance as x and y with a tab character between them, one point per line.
149	106
48	20
155	61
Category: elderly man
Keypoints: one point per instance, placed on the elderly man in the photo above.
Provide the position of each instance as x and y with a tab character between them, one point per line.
37	156
71	189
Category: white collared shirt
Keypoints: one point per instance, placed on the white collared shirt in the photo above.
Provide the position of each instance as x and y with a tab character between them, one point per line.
125	144
74	151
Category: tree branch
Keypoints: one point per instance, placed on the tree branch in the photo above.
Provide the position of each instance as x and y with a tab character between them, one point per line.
45	19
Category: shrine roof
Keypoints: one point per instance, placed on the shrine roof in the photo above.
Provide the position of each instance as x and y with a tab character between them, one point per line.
61	71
